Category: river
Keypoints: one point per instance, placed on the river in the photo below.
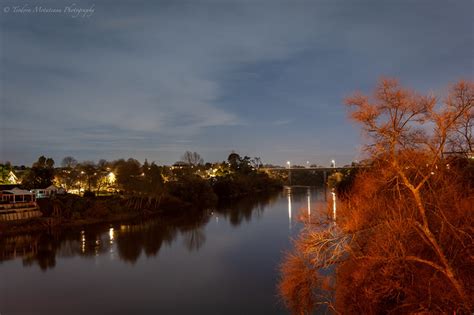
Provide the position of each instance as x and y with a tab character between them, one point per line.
221	261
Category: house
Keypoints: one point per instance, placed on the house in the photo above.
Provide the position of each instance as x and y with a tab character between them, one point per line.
48	192
11	178
16	195
18	204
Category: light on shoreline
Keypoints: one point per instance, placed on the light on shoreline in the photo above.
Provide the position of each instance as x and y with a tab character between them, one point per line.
111	235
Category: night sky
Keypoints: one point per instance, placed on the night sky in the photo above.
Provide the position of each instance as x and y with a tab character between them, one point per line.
152	79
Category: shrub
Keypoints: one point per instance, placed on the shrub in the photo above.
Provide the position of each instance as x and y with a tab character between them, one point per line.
89	194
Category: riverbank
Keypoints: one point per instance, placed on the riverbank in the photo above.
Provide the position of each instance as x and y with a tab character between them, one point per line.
71	211
43	224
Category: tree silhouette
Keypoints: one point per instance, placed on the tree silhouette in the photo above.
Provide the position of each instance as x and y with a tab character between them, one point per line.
192	158
69	162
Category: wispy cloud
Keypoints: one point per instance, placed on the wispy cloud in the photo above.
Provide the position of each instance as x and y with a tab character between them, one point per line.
281	122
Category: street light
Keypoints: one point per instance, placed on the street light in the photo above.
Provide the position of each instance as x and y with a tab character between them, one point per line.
333	163
289	172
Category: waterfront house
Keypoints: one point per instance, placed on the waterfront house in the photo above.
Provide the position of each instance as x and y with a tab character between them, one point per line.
18	204
16	195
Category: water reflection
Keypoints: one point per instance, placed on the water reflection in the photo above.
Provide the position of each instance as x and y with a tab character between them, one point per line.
333	193
308	193
305	199
246	208
221	261
129	240
289	207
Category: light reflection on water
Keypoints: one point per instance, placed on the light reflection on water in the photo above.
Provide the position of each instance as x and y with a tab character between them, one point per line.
308	193
194	264
289	207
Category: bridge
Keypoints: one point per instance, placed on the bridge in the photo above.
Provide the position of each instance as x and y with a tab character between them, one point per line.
318	171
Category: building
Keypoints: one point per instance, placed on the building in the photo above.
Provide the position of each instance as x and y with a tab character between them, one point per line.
12	178
48	192
18	204
16	195
180	165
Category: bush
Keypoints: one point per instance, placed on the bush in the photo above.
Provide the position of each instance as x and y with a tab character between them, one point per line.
89	194
242	184
171	204
99	210
194	190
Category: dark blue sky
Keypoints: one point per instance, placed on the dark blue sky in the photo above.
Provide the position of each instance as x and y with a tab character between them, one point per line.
152	79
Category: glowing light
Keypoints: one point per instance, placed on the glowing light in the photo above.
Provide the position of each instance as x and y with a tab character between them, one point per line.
111	178
333	163
289	208
333	205
111	235
83	242
309	203
12	178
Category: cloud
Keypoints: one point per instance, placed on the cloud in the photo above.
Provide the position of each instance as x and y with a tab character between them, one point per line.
156	73
142	76
281	122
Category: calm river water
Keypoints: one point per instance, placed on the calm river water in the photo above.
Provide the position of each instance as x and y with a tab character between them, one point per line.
223	261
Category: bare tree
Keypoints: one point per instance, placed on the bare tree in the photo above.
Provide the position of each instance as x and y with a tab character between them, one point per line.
460	100
391	121
69	162
192	158
256	162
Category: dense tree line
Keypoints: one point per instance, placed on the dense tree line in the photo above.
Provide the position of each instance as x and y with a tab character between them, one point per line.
148	187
